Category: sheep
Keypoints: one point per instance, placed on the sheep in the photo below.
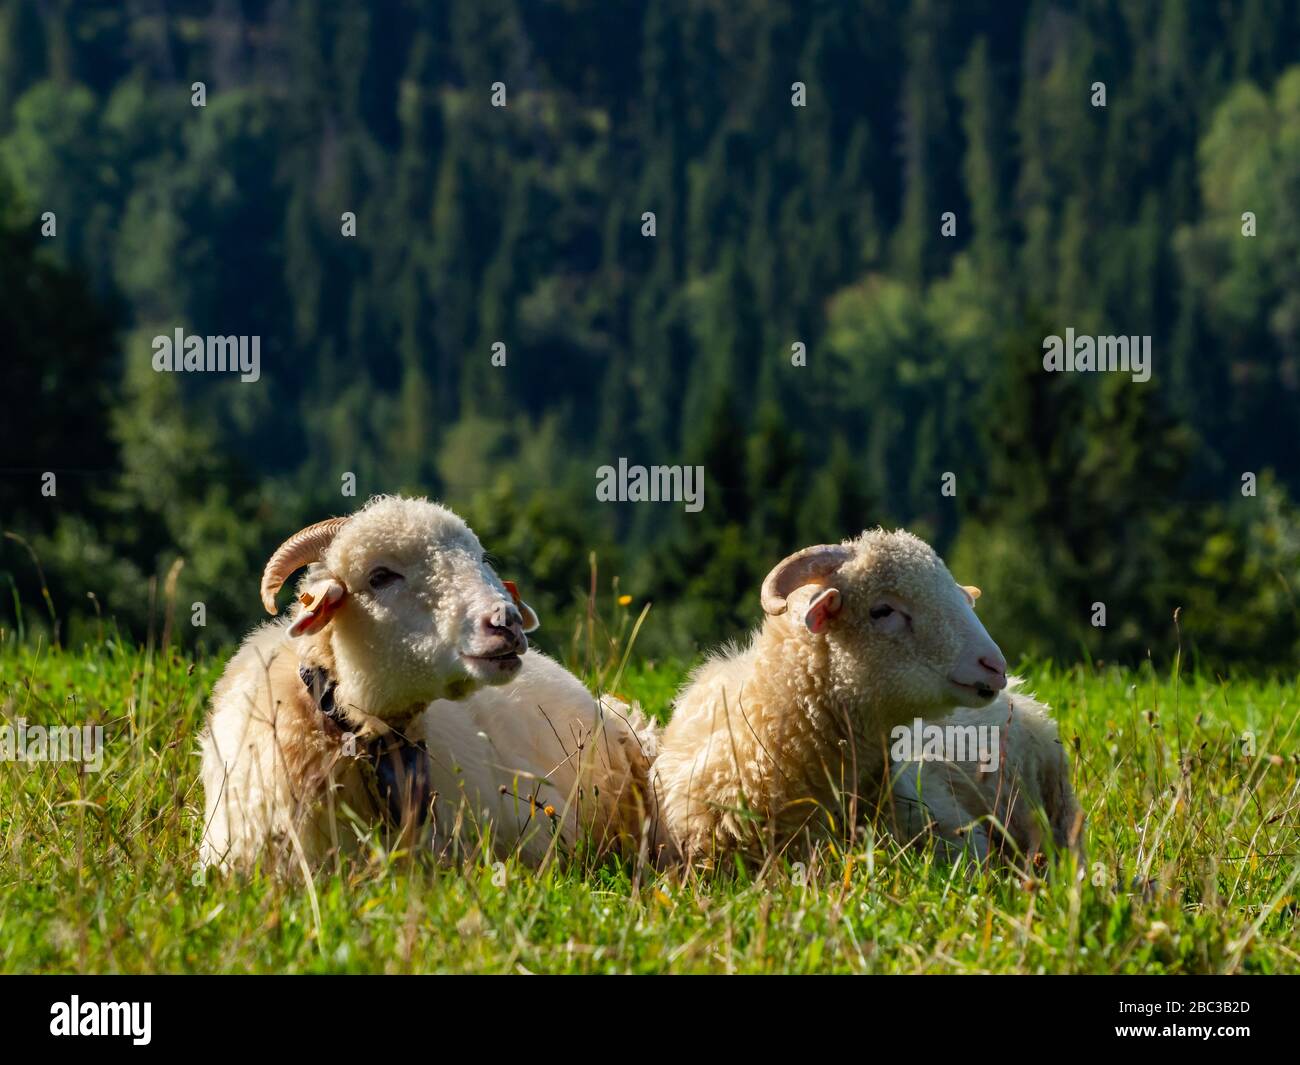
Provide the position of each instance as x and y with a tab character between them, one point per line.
398	609
405	679
780	738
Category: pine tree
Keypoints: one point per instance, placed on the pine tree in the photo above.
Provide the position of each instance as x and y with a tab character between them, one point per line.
917	248
983	167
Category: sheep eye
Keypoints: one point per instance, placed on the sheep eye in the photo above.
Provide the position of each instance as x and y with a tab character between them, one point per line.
882	611
381	577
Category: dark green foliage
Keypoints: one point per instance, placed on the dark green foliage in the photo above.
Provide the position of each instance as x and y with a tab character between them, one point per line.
775	225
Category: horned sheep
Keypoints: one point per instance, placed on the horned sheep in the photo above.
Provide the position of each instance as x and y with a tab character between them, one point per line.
791	733
402	685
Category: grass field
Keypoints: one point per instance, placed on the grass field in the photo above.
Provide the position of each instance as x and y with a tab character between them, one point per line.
1193	858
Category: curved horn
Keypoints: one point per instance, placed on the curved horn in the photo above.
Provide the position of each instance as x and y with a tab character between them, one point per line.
803	567
306	545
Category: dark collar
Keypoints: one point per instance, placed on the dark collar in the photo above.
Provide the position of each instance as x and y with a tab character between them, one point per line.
401	767
321	687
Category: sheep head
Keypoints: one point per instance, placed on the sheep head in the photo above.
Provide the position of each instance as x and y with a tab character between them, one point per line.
901	635
408	606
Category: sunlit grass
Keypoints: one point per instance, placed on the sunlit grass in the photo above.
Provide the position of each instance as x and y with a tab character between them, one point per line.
1192	856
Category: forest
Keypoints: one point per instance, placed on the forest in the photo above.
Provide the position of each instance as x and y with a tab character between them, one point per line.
814	249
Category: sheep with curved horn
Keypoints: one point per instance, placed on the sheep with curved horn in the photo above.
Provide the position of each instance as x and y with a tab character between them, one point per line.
790	736
402	690
398	608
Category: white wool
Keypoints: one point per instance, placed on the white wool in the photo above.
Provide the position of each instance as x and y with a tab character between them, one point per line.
503	755
1008	814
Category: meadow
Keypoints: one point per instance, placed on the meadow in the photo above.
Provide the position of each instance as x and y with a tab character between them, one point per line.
1189	783
813	254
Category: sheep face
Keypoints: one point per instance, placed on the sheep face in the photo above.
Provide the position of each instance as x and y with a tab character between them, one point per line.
902	638
422	616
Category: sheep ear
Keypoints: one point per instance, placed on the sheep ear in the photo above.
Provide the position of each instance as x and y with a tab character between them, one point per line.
531	624
822	609
320	602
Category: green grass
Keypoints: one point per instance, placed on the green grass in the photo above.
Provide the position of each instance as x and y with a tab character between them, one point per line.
1192	858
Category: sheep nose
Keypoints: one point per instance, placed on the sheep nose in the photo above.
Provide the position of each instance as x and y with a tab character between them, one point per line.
505	622
995	664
